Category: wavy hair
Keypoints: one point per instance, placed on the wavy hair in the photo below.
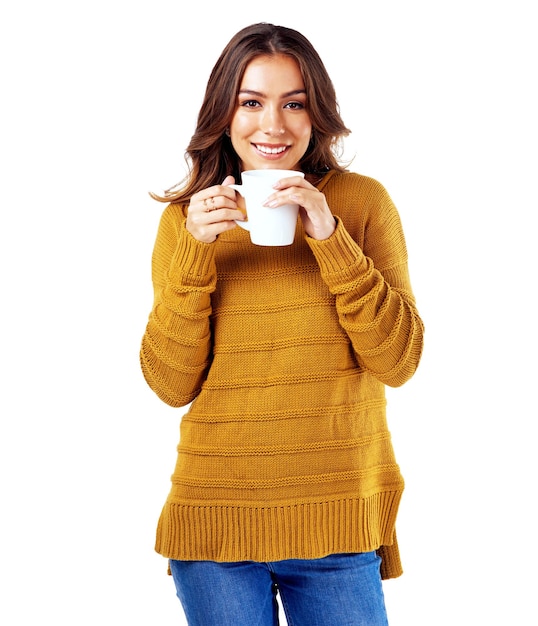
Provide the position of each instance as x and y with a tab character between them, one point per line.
210	155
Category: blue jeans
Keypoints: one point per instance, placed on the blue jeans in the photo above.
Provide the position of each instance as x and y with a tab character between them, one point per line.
338	590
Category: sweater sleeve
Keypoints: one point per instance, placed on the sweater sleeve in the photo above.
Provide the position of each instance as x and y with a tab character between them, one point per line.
374	300
175	349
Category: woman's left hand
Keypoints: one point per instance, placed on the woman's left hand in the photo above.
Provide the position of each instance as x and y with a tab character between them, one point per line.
318	221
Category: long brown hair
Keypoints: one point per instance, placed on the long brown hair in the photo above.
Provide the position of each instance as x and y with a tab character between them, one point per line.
210	154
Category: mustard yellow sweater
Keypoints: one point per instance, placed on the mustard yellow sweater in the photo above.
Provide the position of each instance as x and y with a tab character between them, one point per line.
284	354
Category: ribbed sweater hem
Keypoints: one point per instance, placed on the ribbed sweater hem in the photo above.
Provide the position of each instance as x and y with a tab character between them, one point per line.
273	533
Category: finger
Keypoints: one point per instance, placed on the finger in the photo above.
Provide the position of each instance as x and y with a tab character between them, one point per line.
292	195
217	203
209	204
213	198
291	181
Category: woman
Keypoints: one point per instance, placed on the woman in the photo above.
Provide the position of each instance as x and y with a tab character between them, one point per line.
285	479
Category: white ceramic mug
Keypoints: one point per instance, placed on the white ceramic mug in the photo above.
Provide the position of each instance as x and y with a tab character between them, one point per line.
267	226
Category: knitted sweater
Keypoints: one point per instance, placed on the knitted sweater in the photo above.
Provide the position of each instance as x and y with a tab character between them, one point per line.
283	354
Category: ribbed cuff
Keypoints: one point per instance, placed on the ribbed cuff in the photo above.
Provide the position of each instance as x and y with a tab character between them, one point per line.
337	253
193	261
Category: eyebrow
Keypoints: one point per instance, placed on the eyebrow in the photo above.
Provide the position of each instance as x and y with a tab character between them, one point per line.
252	92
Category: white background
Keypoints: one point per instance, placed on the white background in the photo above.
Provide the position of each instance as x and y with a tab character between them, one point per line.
98	102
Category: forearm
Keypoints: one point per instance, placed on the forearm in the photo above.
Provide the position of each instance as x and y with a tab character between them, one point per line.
380	318
177	340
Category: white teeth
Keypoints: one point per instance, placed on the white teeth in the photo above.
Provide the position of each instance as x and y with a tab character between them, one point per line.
268	150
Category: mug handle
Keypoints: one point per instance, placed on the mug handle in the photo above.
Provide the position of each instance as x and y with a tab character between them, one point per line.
243	225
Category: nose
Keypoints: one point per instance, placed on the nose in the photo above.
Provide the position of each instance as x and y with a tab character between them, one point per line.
272	123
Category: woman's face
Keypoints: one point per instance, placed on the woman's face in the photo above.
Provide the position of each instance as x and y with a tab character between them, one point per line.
271	127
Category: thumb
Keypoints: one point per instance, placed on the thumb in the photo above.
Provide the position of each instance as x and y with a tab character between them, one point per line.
229	180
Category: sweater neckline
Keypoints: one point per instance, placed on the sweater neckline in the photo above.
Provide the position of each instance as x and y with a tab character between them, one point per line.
320	184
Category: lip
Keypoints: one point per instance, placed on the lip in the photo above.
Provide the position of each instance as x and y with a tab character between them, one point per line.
271	151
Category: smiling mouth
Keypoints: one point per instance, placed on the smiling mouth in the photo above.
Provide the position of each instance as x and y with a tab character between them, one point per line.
270	150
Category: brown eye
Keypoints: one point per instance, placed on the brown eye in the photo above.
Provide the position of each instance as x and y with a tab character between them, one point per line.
295	106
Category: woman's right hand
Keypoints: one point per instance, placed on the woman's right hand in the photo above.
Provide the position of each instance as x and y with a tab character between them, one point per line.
213	211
